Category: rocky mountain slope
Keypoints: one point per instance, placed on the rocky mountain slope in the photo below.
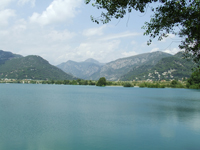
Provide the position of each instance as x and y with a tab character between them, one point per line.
115	69
81	69
174	67
148	66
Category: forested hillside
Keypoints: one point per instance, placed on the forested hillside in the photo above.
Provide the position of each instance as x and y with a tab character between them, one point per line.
31	67
174	67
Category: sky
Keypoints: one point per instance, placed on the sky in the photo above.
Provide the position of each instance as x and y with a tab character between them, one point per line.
61	30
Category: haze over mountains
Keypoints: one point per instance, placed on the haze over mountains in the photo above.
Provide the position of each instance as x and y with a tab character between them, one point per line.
149	66
81	69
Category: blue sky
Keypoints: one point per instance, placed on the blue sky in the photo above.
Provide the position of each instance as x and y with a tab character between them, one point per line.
61	30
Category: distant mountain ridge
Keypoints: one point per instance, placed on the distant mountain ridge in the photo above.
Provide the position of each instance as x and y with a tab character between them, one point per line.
148	66
91	60
115	69
29	67
81	69
4	56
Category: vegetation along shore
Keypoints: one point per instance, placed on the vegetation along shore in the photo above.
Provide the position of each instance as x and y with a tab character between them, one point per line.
191	83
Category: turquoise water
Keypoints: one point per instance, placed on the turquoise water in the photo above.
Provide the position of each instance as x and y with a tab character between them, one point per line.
62	117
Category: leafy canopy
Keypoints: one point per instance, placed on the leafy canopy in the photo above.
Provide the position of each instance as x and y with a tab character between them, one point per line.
101	82
179	17
194	80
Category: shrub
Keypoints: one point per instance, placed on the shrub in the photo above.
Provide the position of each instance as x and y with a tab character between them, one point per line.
127	84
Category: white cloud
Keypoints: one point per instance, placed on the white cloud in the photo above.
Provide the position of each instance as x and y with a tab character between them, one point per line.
170	36
94	31
57	11
57	36
126	54
23	2
120	35
4	3
172	51
20	25
5	15
133	42
102	52
27	39
155	49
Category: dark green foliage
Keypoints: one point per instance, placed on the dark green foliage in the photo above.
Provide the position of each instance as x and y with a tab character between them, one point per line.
66	82
179	17
31	67
85	82
101	82
91	82
117	8
109	83
82	82
73	82
157	84
33	82
194	80
127	84
151	85
183	14
174	83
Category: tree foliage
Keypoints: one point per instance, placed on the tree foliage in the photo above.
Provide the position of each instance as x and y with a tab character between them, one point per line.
179	17
101	82
194	80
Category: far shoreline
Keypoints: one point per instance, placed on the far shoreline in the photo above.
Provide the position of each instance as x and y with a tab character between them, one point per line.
133	84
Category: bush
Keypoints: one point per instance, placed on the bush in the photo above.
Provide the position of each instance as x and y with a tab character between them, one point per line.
142	85
174	83
128	84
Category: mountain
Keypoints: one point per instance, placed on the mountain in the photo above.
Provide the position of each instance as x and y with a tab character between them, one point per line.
148	66
4	56
31	67
173	67
115	69
91	60
81	69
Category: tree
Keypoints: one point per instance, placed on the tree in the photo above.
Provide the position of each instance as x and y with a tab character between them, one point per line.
194	80
174	83
128	84
179	17
101	82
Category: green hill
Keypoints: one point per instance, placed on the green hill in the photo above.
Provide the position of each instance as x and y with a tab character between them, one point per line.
174	67
31	67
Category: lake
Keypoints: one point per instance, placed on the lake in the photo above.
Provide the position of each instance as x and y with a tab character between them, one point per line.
67	117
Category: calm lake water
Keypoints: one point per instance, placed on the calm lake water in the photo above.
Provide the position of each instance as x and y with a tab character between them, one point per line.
63	117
